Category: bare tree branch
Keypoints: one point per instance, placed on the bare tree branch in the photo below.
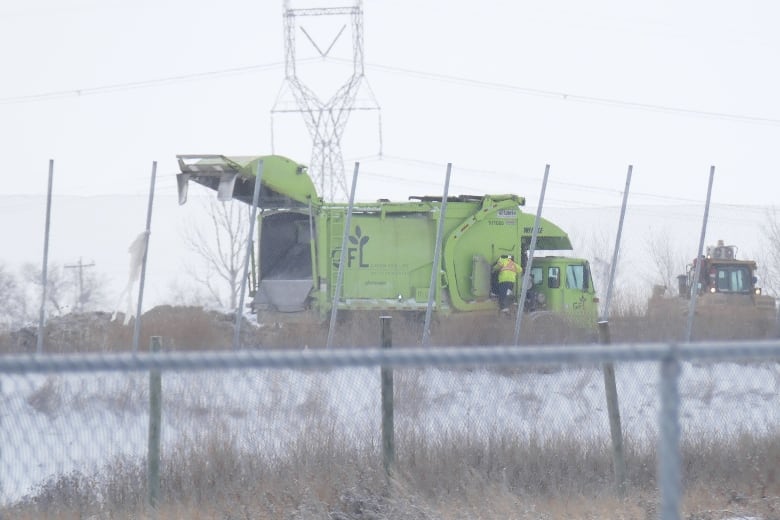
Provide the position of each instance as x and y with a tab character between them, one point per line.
13	306
770	253
220	250
667	263
56	286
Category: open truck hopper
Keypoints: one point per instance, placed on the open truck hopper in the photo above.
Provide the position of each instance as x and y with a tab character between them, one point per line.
284	277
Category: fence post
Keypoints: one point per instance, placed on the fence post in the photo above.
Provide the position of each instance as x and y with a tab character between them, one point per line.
45	269
697	268
388	437
613	410
436	269
669	464
530	260
144	258
155	418
342	259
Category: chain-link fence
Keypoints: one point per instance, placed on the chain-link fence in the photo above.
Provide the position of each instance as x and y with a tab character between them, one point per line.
487	432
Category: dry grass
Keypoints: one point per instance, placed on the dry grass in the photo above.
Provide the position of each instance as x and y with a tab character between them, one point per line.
496	478
727	325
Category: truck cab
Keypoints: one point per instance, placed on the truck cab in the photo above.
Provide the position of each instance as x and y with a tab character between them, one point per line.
563	284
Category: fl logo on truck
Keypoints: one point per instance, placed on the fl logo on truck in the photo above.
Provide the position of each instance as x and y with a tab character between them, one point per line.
354	251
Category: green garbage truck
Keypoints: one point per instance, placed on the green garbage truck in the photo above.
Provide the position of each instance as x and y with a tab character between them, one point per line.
389	247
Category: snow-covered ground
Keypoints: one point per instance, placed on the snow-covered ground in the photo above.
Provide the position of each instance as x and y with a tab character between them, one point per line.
57	424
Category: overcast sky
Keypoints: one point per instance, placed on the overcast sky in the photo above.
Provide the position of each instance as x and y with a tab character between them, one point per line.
498	88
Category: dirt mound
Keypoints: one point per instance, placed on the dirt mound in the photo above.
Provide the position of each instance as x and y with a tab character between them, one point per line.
195	328
181	328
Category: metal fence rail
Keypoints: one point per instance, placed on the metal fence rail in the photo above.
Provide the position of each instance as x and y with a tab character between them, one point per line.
402	357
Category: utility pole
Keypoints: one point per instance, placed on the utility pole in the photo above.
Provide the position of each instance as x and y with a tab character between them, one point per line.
80	297
326	119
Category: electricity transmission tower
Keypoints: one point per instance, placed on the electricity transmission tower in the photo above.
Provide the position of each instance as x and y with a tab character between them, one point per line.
326	119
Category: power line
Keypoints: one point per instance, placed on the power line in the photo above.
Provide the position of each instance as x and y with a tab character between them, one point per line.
576	187
530	91
492	172
567	96
132	85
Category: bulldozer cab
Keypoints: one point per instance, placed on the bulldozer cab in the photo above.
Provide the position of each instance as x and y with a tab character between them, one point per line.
721	272
731	278
719	275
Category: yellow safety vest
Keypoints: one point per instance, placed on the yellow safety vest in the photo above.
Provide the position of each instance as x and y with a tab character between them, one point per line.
507	270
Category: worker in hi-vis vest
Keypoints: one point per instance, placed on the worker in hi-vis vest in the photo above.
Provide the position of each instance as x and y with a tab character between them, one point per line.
507	271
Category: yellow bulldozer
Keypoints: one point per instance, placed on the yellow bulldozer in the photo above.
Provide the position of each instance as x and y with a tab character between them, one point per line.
729	302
